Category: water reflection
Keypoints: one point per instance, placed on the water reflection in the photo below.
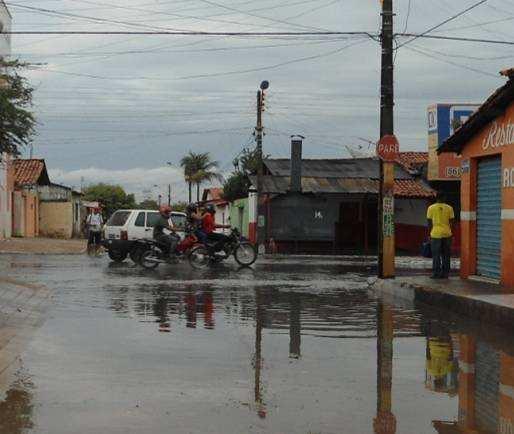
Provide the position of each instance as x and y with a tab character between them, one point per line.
460	362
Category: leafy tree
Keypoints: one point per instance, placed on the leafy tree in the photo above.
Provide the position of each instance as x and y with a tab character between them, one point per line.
17	122
236	186
199	168
179	206
111	197
148	204
238	183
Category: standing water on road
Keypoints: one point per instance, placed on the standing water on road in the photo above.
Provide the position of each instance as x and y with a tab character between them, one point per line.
288	347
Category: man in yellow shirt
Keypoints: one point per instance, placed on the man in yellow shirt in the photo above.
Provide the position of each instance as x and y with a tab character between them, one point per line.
440	217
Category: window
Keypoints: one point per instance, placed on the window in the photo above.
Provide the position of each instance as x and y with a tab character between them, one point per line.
179	221
152	218
140	220
119	218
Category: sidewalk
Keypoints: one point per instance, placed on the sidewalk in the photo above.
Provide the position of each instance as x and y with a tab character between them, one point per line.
42	246
480	300
22	310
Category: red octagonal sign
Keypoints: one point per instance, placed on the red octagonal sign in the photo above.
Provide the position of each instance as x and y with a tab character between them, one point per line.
388	148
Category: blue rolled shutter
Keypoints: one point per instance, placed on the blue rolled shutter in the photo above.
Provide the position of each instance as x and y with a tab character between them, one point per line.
489	218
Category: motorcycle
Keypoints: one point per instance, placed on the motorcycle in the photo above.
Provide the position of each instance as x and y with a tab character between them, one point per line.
154	253
243	251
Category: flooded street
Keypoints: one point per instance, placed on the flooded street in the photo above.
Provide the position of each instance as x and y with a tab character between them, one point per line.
294	346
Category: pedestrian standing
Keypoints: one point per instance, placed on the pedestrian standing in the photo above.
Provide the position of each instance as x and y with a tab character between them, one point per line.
94	224
440	217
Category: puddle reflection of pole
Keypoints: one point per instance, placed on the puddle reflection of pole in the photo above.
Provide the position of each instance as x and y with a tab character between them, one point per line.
295	327
259	324
385	422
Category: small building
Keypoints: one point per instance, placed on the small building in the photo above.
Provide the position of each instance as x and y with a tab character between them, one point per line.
214	196
29	175
486	145
332	205
41	207
59	212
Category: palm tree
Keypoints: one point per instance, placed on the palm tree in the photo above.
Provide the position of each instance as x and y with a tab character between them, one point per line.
188	163
198	168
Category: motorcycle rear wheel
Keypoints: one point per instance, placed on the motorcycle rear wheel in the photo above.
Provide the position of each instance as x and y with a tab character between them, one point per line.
145	263
245	254
199	257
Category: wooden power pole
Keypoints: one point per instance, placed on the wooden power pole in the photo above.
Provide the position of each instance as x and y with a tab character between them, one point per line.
261	209
387	149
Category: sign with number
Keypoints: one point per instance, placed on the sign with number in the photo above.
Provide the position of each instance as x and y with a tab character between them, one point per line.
388	148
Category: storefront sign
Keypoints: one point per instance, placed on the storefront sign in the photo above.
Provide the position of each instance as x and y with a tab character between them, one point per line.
443	120
508	177
500	134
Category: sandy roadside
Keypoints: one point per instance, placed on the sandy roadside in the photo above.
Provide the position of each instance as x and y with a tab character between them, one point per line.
43	246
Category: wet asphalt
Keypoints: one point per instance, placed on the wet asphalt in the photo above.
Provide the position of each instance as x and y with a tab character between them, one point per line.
287	346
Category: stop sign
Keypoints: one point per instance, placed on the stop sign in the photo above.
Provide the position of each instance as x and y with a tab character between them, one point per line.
388	148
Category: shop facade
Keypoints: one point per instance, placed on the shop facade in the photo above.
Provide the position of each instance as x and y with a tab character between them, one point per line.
486	145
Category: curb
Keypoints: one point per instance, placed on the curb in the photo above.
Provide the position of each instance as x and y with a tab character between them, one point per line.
4	252
460	303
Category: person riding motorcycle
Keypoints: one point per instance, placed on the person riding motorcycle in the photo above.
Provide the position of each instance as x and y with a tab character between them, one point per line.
194	220
169	241
209	225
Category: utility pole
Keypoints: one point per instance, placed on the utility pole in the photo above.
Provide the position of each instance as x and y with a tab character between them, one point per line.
261	209
386	243
169	194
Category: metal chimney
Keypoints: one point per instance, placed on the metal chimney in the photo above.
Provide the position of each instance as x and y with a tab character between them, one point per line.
296	164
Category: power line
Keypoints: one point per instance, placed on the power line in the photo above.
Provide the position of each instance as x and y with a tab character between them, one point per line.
442	23
449	62
454	38
408	16
216	74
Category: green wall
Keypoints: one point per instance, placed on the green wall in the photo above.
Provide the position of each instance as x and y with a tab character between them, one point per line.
239	215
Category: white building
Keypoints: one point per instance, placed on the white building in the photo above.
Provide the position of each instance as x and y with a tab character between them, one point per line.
5	170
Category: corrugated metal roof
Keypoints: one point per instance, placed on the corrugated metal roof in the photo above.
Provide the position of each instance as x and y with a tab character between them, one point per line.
411	188
30	172
333	168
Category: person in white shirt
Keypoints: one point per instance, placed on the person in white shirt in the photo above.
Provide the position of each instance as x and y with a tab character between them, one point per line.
94	224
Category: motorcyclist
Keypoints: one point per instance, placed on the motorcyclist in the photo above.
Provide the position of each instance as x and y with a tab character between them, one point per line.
170	241
194	219
209	225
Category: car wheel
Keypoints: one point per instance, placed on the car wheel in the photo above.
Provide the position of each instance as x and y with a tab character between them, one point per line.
117	256
135	255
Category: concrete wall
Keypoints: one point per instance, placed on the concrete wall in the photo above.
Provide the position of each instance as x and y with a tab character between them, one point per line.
56	219
25	214
239	216
6	190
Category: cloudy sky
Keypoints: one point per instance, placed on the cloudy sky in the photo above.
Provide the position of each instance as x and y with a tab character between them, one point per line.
117	108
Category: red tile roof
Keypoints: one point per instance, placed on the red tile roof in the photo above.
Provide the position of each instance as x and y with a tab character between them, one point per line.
216	193
30	172
412	188
412	160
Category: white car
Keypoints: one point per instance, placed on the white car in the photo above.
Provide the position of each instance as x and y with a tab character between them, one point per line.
128	225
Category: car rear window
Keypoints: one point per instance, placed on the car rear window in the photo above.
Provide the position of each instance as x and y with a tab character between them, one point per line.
179	221
119	218
152	218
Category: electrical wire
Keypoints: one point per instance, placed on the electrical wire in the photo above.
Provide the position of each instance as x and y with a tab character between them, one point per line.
216	74
442	23
455	38
408	16
449	62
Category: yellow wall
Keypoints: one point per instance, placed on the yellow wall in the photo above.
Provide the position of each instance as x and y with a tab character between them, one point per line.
56	219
